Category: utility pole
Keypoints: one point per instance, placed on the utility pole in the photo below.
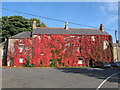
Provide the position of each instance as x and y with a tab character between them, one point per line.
117	42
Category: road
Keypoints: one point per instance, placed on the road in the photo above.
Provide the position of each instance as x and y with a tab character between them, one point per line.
58	78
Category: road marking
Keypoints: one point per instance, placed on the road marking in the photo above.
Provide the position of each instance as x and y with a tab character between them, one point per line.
95	69
106	80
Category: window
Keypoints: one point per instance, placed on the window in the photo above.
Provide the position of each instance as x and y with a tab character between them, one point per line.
65	37
34	35
39	37
42	54
2	52
105	45
93	38
21	60
50	61
68	44
20	40
72	36
21	47
80	62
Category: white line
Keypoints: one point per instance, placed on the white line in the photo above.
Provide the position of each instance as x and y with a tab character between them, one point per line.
106	80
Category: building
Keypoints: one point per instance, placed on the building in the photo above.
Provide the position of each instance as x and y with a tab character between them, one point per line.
116	52
59	47
3	52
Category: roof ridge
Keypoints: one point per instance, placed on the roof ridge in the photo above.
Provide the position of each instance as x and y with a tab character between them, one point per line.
82	31
68	28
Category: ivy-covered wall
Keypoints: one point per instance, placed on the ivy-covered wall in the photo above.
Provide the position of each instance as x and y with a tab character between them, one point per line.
60	50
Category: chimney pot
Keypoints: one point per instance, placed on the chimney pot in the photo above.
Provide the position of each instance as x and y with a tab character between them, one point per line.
34	25
102	27
66	25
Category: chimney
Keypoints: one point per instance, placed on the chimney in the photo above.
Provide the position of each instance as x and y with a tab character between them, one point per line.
66	25
34	25
102	27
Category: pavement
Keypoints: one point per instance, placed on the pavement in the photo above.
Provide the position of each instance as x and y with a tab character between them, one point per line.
59	78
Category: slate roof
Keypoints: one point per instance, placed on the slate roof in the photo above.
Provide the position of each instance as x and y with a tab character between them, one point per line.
22	35
69	31
41	30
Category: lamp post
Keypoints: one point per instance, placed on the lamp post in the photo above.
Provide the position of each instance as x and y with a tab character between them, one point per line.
117	42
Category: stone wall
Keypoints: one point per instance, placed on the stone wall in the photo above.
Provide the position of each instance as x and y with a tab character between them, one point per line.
10	48
1	52
115	52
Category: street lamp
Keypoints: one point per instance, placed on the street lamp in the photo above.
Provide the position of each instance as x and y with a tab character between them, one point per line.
117	42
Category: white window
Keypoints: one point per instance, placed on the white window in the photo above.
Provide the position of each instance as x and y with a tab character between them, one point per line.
2	52
34	35
42	54
21	60
72	36
105	45
8	63
50	61
21	47
39	37
68	44
80	62
93	38
21	40
65	37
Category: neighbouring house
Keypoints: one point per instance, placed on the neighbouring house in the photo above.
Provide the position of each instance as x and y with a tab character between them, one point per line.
3	52
59	47
116	52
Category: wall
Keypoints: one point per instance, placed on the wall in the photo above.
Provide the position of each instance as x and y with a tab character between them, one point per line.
43	49
1	52
10	48
115	52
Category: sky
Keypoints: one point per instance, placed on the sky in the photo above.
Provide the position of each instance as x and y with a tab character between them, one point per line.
85	13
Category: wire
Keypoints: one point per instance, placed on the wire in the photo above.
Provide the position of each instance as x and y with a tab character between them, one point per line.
47	18
33	15
53	19
82	25
110	30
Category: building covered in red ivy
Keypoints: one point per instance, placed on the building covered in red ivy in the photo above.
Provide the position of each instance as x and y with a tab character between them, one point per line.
59	47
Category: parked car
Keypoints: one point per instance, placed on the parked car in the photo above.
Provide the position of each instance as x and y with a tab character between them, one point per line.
106	65
102	64
115	64
98	64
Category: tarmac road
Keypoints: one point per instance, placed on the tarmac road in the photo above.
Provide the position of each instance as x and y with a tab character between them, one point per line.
58	78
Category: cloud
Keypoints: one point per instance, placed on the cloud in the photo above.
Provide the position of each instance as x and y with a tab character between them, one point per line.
112	19
110	7
109	11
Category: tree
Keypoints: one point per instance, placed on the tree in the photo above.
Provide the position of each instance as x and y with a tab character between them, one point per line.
12	25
